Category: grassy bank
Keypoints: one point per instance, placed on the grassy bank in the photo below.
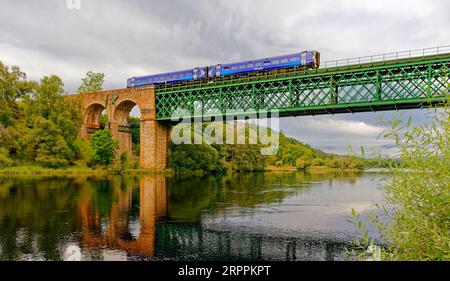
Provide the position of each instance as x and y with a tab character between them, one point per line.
314	169
83	170
75	170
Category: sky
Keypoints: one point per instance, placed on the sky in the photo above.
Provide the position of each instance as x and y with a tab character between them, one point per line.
140	37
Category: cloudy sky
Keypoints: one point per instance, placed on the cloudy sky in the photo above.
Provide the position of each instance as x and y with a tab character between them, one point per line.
131	38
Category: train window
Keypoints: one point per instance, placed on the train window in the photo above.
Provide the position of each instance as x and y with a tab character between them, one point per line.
259	64
284	61
234	68
242	66
295	59
251	65
275	62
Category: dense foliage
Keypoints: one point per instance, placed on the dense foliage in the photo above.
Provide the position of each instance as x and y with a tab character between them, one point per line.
104	147
247	158
39	123
417	193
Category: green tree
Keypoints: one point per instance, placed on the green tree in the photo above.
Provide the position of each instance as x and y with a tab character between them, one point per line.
104	147
13	130
47	145
5	161
303	163
50	102
55	119
245	158
93	82
13	86
189	158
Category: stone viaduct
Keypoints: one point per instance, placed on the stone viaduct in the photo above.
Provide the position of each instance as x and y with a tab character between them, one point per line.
154	136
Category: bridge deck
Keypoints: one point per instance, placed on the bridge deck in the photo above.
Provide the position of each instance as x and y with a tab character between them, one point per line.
411	82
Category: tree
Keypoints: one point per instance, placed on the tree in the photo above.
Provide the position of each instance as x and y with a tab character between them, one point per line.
104	147
303	163
13	86
4	158
187	158
13	83
47	145
55	120
93	82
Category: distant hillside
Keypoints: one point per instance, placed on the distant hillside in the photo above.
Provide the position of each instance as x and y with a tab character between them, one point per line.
292	153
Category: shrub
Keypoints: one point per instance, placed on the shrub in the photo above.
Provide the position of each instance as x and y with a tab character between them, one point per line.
417	192
104	147
5	161
303	163
190	157
47	145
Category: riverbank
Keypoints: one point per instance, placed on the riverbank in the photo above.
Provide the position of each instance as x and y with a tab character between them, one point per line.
83	170
76	170
314	169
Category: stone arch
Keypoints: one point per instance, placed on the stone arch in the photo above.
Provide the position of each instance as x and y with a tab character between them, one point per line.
93	112
122	111
119	120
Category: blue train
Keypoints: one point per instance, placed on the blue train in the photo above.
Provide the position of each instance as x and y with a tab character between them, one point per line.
306	59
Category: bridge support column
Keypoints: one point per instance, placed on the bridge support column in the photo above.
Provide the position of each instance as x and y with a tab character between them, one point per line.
155	140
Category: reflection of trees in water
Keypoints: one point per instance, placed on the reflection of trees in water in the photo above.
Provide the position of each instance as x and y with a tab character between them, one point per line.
39	216
193	242
35	216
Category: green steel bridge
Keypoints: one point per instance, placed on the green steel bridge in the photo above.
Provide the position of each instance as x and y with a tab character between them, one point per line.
403	80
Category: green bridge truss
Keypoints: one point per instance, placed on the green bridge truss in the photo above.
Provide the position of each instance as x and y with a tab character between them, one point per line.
393	84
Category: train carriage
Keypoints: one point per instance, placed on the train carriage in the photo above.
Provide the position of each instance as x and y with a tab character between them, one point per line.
306	59
170	77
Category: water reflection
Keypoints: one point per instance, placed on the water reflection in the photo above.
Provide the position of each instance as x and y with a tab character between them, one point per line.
108	218
283	216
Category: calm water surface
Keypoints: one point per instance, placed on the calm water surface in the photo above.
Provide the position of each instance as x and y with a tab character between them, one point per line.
265	216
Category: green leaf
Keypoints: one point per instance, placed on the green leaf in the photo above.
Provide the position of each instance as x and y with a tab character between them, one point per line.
396	123
409	121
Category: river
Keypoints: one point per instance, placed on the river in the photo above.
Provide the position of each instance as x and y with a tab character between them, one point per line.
260	216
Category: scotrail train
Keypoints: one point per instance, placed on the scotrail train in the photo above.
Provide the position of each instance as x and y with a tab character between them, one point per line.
306	59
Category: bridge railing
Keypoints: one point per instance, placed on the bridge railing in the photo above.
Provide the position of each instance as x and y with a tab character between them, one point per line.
403	55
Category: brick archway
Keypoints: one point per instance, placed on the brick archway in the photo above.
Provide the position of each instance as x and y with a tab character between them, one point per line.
92	116
119	124
154	136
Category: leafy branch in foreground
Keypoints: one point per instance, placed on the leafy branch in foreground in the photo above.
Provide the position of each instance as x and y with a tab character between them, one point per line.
415	220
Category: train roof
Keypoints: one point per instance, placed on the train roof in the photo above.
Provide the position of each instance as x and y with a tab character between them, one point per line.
266	58
166	73
232	63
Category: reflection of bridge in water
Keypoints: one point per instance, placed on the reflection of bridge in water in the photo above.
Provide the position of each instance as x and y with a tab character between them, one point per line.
115	234
157	238
194	242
